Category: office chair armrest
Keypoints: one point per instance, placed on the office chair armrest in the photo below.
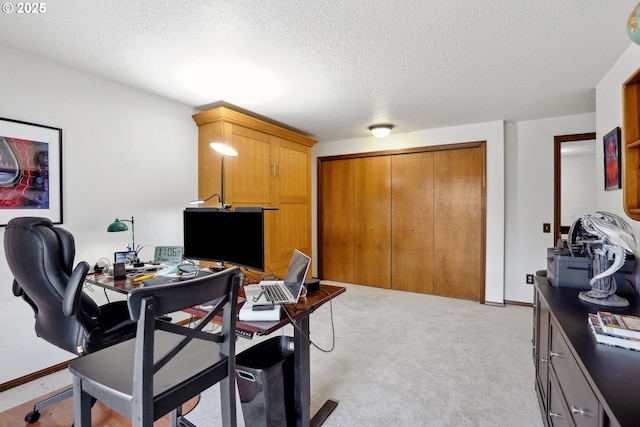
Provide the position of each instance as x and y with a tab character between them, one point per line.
72	294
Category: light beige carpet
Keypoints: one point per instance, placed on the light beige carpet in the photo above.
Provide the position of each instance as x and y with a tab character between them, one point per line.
405	359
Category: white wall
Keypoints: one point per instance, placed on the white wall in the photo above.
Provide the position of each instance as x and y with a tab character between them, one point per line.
609	116
493	133
125	152
578	180
529	196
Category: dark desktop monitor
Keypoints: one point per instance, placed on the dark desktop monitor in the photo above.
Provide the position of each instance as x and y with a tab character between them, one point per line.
229	236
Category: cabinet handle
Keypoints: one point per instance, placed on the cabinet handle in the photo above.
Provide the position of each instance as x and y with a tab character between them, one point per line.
579	411
552	354
372	228
279	169
543	360
553	414
273	169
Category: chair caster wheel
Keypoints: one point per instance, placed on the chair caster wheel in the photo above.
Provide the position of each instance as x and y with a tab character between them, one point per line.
32	417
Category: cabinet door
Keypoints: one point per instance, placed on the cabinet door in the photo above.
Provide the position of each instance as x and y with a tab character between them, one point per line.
248	177
412	222
372	195
557	413
459	223
336	218
292	197
542	348
582	403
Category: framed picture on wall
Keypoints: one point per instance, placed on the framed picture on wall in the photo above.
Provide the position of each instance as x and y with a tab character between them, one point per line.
612	165
30	171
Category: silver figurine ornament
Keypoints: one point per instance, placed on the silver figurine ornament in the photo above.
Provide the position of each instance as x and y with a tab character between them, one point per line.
606	239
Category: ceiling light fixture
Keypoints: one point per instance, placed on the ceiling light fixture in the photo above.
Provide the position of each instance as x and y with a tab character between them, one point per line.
381	131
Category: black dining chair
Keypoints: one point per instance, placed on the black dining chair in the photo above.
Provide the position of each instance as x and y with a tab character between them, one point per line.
40	257
166	364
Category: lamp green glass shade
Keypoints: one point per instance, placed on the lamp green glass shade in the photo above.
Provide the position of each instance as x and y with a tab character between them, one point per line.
116	226
633	25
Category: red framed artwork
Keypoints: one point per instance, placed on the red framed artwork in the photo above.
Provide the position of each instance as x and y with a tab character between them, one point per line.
612	164
30	171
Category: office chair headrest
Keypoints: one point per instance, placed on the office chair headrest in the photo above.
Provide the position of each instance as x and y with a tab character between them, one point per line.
30	221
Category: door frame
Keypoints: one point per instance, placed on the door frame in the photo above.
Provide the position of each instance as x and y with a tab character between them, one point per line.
557	173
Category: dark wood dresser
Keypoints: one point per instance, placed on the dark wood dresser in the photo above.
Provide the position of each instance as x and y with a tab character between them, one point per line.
578	381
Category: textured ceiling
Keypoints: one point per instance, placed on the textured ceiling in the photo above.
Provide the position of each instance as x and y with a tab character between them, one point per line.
332	68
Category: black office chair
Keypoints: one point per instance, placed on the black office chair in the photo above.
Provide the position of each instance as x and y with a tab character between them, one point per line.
166	364
40	257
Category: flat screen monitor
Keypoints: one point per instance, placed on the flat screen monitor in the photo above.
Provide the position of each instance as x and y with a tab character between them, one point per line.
229	236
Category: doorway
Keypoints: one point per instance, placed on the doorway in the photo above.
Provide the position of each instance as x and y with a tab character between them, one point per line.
574	179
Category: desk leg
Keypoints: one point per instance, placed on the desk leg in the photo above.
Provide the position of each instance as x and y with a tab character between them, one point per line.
302	380
302	375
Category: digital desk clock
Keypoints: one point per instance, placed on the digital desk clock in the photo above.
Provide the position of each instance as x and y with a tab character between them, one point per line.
170	254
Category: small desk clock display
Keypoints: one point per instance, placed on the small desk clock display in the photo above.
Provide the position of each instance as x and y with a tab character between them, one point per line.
169	254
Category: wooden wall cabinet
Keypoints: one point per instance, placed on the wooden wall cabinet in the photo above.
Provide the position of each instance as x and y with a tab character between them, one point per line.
631	146
272	169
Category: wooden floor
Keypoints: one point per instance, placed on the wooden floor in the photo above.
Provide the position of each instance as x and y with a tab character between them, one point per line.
61	415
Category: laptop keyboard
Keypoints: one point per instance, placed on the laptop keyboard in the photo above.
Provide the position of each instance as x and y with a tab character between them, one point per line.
275	293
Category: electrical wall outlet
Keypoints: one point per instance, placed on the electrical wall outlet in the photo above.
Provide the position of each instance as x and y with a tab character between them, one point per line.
530	279
546	227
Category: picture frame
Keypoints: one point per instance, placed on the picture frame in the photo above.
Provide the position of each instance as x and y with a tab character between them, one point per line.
30	171
612	156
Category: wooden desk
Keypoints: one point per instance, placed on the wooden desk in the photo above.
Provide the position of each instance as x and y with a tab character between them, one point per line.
299	313
117	285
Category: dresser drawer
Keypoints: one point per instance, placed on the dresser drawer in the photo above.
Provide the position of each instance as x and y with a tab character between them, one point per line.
557	413
583	406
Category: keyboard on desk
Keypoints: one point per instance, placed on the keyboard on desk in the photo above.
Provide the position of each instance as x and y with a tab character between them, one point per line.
275	293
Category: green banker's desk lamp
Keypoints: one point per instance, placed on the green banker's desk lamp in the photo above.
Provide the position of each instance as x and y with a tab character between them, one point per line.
119	225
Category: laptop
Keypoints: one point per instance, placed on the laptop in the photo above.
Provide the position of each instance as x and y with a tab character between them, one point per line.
285	291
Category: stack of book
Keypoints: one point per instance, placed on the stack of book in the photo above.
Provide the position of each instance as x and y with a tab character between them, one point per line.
620	330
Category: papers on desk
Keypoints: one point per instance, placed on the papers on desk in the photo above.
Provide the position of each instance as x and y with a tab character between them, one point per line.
248	314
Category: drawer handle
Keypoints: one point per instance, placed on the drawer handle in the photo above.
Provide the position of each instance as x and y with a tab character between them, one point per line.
579	411
543	360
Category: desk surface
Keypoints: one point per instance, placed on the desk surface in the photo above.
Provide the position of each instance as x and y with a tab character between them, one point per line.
297	311
303	308
118	285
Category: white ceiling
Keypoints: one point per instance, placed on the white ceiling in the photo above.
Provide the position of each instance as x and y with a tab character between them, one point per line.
331	68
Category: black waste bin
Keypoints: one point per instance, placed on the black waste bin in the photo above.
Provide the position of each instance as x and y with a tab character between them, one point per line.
265	378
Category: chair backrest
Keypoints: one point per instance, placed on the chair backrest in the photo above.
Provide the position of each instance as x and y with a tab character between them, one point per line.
40	257
145	305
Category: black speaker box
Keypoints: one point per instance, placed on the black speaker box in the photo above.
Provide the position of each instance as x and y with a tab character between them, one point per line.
119	270
312	284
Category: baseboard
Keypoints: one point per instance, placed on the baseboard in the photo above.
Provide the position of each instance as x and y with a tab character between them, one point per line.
34	375
47	371
524	304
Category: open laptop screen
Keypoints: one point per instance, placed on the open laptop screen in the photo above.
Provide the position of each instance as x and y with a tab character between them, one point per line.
297	271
